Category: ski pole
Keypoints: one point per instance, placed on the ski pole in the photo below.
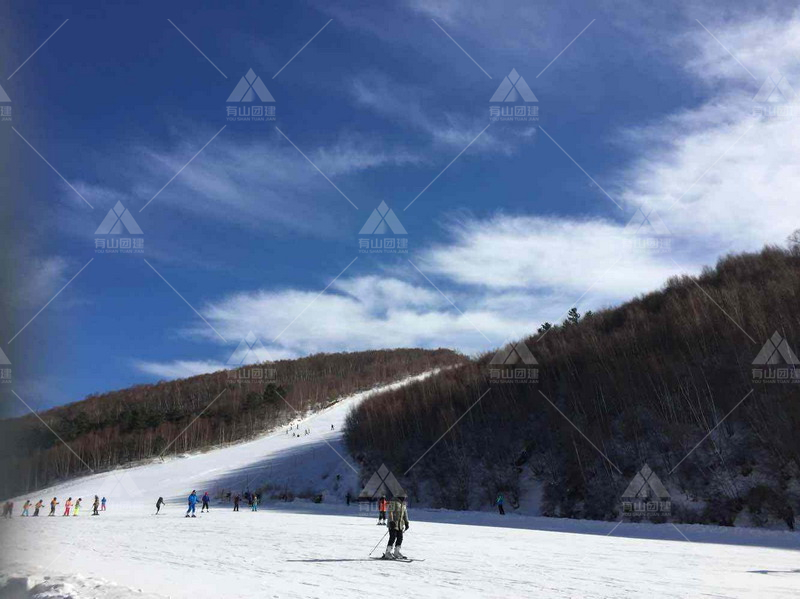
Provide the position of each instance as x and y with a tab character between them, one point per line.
379	542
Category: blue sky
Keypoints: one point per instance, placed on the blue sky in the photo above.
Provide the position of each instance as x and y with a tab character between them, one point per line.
649	108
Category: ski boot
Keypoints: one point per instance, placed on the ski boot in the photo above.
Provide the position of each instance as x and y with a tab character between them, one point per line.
388	553
397	554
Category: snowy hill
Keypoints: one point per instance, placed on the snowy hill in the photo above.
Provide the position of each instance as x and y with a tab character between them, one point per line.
303	549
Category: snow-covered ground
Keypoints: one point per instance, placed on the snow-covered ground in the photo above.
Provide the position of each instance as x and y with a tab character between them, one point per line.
302	549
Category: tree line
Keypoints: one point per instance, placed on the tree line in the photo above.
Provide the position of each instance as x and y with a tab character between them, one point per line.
655	380
173	417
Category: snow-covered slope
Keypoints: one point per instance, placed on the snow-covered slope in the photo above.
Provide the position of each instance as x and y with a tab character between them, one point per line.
302	549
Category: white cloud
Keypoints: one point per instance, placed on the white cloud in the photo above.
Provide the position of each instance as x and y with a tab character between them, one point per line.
545	254
180	368
406	104
719	174
39	278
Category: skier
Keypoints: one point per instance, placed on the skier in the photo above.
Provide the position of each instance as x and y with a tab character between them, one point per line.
398	523
347	497
77	506
37	507
255	502
95	506
159	503
236	500
53	505
382	510
25	507
206	499
500	500
331	427
67	506
103	504
192	503
8	508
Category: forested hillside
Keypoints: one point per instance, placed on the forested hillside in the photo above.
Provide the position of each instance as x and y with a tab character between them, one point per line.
649	382
147	420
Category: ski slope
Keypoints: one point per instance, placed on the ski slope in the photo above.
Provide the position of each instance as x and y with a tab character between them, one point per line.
302	549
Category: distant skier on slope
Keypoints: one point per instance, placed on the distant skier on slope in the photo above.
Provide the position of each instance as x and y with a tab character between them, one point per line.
206	499
500	501
159	503
53	505
382	504
37	507
255	502
95	506
25	507
103	504
236	500
398	523
192	504
67	506
77	506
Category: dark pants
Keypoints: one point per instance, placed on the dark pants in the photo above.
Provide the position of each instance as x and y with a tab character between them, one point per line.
236	507
395	535
158	509
36	512
382	516
500	508
205	506
94	511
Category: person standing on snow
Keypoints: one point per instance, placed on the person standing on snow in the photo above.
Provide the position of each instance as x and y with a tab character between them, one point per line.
206	499
37	507
382	504
53	505
499	501
25	507
77	506
95	506
103	504
67	506
192	504
255	502
236	500
398	523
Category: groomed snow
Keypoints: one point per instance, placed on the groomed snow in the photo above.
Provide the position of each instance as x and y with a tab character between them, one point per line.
302	549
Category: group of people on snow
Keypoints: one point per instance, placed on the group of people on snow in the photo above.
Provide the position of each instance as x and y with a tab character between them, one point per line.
98	505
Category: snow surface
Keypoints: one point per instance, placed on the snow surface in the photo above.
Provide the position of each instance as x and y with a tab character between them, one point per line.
303	549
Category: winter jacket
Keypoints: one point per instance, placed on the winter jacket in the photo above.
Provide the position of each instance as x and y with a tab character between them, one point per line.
398	515
500	500
206	498
382	505
193	499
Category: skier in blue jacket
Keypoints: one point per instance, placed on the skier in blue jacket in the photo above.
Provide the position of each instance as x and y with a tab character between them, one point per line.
192	504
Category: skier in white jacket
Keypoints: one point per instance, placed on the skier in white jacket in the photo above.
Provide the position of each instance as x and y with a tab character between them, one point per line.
398	523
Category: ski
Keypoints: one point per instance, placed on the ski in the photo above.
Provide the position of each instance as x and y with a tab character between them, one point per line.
404	559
